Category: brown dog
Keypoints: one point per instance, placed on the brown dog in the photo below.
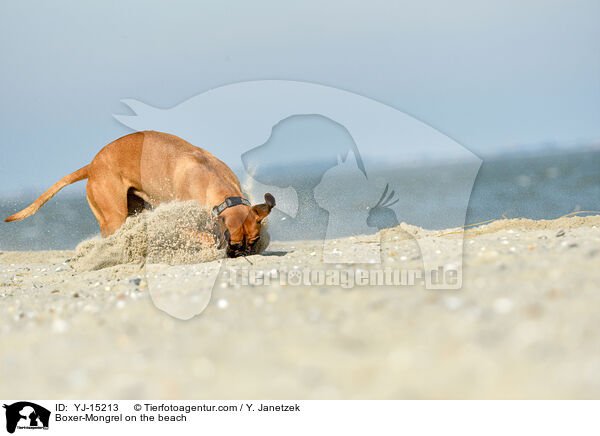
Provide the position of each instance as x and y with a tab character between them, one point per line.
150	168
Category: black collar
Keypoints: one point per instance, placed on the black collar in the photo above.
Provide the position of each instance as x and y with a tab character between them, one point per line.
229	202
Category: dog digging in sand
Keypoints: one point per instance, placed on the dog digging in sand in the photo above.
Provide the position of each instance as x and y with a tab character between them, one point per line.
149	168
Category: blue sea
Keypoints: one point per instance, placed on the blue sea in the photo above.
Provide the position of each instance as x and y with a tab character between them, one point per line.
519	185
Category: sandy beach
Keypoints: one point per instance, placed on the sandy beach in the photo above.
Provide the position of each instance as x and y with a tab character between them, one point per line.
524	324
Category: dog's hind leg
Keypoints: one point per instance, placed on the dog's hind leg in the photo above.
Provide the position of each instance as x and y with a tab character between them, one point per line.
107	198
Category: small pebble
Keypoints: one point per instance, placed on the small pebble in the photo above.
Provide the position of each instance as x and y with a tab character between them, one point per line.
560	233
453	303
59	326
503	305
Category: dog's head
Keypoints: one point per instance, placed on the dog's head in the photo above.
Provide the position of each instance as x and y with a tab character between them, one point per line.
239	227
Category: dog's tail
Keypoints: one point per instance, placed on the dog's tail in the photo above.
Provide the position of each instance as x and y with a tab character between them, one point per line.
78	175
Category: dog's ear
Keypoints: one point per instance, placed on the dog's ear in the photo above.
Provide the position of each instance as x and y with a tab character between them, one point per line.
262	210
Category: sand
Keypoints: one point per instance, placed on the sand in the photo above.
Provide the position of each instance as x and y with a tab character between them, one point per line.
157	236
524	324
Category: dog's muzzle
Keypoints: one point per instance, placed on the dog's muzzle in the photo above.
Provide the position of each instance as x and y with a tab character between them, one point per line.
232	250
236	250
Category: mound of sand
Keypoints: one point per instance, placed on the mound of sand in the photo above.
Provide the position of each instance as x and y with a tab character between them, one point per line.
161	235
407	231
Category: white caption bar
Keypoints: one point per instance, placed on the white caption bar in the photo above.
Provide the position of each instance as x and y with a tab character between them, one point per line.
246	417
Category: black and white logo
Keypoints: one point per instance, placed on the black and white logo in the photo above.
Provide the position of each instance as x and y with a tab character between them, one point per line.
26	415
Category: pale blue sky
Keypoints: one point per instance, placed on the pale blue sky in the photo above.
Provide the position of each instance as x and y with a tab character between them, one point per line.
488	75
